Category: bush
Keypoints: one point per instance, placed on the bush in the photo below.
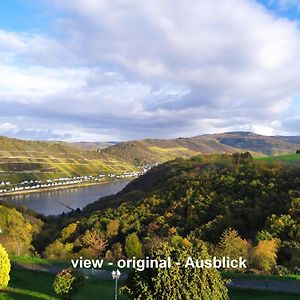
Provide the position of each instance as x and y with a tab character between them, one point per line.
68	282
280	270
4	268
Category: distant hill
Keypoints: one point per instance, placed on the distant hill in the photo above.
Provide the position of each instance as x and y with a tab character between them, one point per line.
23	160
290	139
268	145
92	146
160	150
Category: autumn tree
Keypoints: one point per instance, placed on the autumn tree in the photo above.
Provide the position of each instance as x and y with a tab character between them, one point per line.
95	241
264	255
17	232
113	228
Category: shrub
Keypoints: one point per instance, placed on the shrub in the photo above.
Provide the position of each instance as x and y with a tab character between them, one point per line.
68	282
4	268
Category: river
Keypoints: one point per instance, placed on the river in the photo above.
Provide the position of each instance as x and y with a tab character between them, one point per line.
48	202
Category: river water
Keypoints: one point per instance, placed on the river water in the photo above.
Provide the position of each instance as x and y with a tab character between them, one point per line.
48	203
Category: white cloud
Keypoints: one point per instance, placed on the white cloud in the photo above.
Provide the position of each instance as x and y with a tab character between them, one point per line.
139	68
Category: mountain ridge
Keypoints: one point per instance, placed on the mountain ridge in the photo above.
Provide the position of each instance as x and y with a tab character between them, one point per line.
161	150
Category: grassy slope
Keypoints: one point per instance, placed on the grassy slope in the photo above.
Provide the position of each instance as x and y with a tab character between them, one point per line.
26	160
29	285
293	159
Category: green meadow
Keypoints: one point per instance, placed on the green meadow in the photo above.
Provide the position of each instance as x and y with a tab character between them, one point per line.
30	285
290	159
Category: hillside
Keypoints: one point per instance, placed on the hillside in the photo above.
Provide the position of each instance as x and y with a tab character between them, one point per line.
155	150
29	160
197	199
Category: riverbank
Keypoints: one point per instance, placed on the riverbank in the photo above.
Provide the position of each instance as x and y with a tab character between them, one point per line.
62	187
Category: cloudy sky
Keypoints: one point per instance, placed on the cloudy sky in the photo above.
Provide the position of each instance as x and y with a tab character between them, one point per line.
98	70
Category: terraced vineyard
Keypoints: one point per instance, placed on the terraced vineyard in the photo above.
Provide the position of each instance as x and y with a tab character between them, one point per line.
28	160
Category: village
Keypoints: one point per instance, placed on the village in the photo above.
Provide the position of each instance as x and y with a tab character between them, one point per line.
6	187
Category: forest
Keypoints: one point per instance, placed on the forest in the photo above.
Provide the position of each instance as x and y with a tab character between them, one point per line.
233	205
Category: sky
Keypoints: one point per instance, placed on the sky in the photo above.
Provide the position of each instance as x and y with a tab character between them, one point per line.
114	70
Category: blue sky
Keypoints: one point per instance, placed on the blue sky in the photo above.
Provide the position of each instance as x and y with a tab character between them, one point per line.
20	15
116	70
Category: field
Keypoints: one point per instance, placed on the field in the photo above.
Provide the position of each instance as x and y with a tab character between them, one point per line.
290	159
29	285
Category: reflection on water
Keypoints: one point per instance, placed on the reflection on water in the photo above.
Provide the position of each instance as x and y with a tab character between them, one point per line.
48	203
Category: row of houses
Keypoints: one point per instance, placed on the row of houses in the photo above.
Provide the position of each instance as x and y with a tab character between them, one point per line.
49	183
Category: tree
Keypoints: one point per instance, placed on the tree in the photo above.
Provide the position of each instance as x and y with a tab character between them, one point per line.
133	246
68	231
264	255
163	283
4	268
17	231
117	251
232	245
95	241
68	282
58	250
113	228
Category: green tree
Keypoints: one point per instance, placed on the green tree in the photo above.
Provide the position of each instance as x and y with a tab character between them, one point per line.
232	245
133	246
177	282
4	268
58	250
68	282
